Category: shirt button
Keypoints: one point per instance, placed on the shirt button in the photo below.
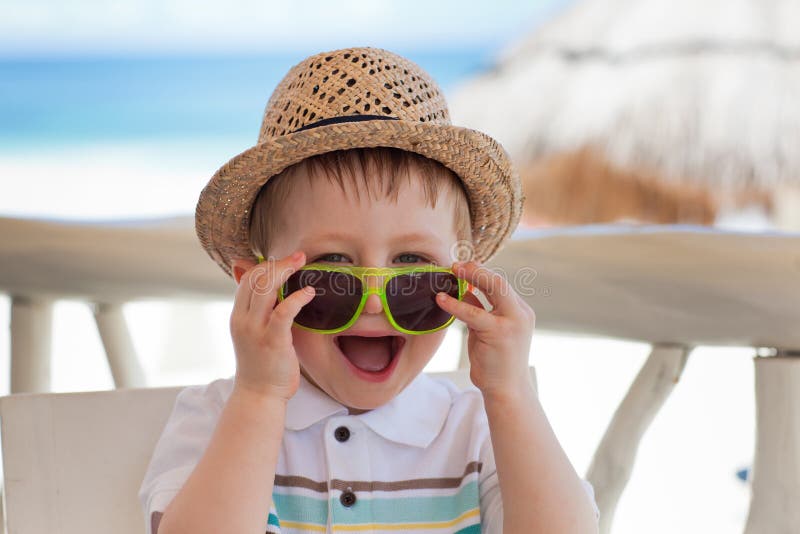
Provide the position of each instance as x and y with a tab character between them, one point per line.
342	434
348	499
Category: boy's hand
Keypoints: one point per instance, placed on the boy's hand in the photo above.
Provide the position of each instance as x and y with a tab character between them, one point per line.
499	340
266	362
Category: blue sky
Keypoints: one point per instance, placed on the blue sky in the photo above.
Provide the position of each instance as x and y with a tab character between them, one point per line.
123	27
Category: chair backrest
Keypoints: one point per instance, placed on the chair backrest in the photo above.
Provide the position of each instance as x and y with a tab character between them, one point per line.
73	462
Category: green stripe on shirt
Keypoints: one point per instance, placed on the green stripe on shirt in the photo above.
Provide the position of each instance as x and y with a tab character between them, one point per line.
304	509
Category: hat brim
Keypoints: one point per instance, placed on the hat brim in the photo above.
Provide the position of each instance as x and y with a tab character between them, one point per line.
222	217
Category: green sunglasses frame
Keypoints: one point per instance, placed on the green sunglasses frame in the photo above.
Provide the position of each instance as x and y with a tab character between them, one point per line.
388	273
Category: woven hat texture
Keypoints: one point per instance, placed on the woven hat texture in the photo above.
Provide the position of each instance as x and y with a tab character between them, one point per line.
352	98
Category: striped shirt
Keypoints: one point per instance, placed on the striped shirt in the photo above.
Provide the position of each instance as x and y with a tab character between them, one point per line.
421	463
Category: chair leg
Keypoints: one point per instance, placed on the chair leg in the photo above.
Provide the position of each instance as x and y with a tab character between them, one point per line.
122	360
775	486
31	334
613	460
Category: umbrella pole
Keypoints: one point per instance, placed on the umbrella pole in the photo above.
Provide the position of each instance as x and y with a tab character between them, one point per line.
613	460
775	486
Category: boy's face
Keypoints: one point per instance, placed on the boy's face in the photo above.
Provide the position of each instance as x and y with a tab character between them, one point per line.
336	227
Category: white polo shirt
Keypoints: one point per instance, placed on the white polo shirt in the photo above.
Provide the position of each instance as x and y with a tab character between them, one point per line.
422	462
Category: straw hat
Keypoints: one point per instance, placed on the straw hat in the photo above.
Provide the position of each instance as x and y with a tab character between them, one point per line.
352	98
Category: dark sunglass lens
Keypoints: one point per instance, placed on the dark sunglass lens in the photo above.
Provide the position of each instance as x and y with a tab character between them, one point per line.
337	298
412	299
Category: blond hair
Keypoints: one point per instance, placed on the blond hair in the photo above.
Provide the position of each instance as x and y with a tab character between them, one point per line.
379	170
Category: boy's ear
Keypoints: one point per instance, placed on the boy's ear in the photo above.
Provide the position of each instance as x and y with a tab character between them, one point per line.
239	267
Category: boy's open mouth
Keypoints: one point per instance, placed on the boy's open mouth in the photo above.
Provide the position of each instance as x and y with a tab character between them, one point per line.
371	354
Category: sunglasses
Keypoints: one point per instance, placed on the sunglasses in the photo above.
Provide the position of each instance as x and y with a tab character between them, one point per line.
408	296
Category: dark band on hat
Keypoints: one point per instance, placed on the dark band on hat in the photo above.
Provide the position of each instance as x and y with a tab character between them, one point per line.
345	118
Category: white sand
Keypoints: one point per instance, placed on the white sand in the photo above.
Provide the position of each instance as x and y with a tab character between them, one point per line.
105	181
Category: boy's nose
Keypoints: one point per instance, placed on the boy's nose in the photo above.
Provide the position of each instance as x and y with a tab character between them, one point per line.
373	304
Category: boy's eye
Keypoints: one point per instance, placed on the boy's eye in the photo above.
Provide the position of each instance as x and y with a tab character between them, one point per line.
333	257
411	258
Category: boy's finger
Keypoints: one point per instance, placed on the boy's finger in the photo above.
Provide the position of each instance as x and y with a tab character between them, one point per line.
280	321
243	294
493	285
276	272
474	316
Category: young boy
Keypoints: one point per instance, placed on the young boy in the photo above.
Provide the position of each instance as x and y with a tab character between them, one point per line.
329	424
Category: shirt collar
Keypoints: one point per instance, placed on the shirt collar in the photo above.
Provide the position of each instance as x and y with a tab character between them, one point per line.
310	405
414	417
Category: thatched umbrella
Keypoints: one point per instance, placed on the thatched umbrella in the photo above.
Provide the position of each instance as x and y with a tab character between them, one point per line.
582	187
689	93
619	105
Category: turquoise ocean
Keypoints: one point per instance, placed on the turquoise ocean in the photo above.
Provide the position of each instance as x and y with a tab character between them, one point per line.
190	100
